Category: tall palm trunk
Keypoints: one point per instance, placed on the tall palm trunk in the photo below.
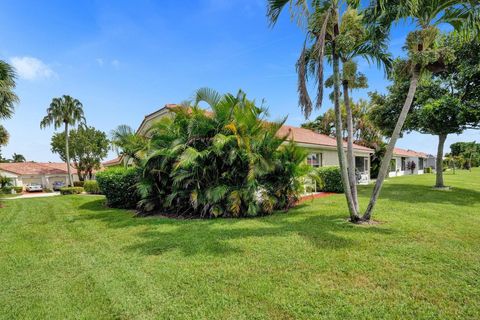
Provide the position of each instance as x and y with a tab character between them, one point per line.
354	217
385	165
439	173
68	156
350	156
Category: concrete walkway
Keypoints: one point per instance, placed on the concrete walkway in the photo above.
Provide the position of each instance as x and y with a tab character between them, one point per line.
34	195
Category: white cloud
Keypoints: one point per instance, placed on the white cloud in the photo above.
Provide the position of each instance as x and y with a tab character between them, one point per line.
115	63
31	68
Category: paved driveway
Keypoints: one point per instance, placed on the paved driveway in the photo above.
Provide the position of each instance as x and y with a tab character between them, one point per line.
34	195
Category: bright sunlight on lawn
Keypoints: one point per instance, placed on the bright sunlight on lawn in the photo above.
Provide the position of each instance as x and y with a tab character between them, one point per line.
70	257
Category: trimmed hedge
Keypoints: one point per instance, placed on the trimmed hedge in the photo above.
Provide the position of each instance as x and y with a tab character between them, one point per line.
119	186
71	190
78	183
91	186
18	189
427	170
6	190
330	179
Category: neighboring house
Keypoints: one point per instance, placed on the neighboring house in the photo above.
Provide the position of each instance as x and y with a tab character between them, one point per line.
43	173
431	162
402	160
322	148
113	162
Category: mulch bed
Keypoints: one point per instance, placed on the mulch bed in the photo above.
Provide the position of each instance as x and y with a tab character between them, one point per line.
311	197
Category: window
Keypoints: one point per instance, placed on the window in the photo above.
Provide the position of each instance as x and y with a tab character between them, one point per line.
404	161
361	164
314	159
393	165
420	163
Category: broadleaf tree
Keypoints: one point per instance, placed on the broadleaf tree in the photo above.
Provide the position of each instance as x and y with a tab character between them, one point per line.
88	147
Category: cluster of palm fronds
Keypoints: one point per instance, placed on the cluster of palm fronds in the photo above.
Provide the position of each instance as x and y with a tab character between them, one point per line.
226	162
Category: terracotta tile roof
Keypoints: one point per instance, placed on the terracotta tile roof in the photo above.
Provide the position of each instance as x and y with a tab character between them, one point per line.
38	168
302	135
409	153
35	168
111	162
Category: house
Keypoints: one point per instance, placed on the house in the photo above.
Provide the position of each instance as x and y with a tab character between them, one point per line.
322	148
431	161
406	162
43	173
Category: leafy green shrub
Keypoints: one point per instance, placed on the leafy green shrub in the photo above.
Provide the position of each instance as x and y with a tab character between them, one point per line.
5	181
71	190
78	183
119	186
91	186
6	190
427	170
18	189
330	179
225	163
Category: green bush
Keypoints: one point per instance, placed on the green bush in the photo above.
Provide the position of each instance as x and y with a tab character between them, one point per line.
78	183
6	190
18	189
71	190
91	186
119	186
330	179
225	163
427	170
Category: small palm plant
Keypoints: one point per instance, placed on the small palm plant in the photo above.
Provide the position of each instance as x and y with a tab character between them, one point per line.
128	144
64	111
226	162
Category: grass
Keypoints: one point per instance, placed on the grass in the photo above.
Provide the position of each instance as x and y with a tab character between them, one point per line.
70	257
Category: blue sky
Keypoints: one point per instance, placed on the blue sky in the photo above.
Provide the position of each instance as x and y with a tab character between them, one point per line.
125	59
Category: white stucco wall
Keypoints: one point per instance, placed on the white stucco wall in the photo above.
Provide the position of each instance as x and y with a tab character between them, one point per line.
400	172
330	157
45	180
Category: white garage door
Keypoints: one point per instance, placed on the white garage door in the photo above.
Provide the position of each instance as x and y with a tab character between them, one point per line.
26	181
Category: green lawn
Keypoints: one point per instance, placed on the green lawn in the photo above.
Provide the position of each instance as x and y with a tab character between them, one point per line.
70	257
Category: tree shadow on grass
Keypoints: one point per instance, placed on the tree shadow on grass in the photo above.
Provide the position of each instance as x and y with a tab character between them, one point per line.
412	193
218	237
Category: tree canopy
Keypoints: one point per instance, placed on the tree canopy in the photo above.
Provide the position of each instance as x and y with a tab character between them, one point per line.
88	147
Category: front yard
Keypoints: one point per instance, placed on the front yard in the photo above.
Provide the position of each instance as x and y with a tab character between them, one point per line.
70	257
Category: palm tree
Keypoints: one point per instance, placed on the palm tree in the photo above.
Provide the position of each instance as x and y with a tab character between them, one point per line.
423	50
324	31
18	158
127	144
64	111
225	162
4	136
8	98
357	42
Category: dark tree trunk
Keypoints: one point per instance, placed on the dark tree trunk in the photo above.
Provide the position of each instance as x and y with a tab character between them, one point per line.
439	172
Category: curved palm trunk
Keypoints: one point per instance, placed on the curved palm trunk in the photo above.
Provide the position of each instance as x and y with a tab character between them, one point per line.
354	217
68	156
385	164
350	156
439	171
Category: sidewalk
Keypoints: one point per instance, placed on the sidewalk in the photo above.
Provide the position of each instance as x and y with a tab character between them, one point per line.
33	195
